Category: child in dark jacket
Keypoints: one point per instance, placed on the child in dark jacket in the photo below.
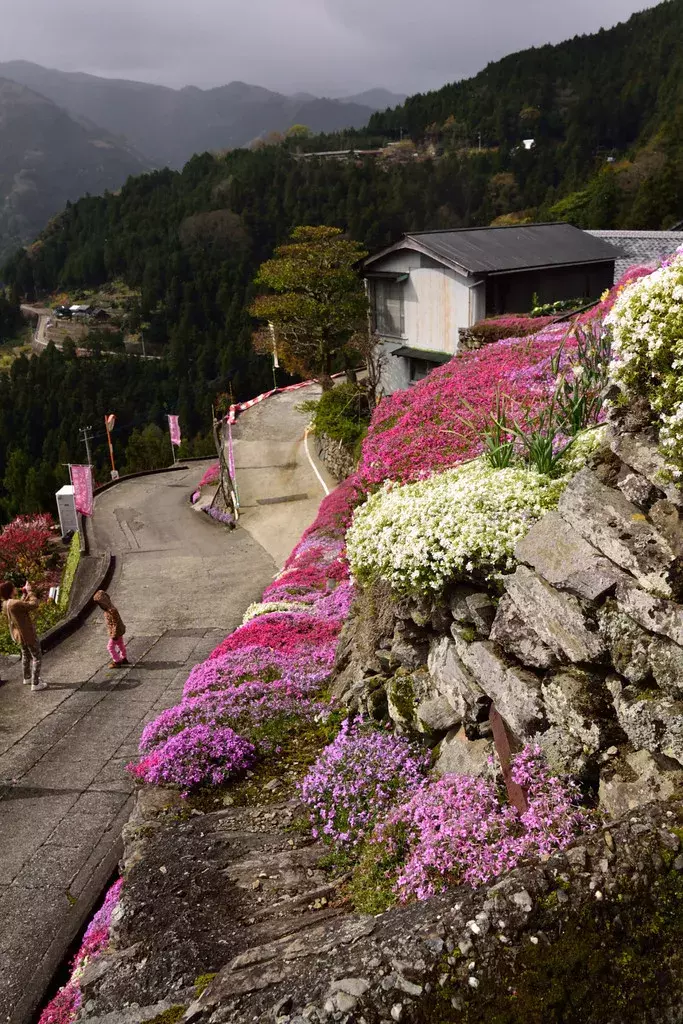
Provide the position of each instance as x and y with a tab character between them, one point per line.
114	622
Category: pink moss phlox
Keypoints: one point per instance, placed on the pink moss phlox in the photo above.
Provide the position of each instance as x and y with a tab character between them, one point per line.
282	631
199	755
356	779
64	1007
460	829
438	423
249	704
307	668
211	475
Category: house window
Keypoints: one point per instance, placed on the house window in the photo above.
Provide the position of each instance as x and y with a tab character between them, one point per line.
419	368
388	309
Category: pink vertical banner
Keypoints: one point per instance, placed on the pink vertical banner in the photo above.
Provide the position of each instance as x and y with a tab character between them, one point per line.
174	427
231	453
81	478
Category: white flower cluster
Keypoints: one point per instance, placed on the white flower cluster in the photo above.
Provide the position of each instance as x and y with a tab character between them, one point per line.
647	328
266	607
420	536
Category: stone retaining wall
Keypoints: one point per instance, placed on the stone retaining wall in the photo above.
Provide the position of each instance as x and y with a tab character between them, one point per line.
339	460
229	918
581	650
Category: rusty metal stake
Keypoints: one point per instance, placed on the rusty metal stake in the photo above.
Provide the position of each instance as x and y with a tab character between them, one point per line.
506	746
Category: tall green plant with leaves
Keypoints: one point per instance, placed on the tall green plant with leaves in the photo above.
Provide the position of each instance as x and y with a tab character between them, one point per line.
579	393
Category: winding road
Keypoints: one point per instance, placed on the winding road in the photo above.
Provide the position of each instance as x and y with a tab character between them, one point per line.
182	583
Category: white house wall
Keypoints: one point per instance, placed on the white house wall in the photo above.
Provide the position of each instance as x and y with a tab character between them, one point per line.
438	302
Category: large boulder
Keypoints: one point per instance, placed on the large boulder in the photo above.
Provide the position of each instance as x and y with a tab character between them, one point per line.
652	613
515	691
565	559
405	692
650	721
617	528
454	682
627	642
640	778
565	754
460	756
578	702
557	618
512	633
436	715
666	662
642	454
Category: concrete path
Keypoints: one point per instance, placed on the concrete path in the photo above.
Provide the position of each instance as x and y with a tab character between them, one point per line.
277	472
182	583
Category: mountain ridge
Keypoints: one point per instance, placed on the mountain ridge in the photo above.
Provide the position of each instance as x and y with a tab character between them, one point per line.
170	125
48	158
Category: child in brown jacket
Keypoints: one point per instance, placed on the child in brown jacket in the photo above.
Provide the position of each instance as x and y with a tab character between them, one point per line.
114	622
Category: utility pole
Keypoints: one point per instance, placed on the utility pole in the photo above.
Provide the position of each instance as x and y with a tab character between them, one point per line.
86	439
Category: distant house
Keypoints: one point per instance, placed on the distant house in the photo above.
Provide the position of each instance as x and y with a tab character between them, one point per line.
641	248
99	315
426	288
80	311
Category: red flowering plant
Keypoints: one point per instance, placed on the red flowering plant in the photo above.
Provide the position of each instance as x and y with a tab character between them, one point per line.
25	549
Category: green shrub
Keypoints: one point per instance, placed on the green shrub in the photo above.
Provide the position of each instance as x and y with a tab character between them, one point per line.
343	414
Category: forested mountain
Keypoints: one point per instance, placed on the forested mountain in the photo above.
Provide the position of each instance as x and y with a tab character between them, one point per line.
604	109
47	158
171	125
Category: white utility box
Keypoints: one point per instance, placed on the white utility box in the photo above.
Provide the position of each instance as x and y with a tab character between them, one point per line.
66	509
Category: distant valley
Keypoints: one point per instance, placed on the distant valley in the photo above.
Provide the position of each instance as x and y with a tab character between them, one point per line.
65	134
170	125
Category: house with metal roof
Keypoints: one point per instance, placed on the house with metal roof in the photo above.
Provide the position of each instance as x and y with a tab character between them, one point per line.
641	248
431	285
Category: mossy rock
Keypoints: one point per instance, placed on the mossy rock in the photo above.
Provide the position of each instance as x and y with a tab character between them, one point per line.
615	960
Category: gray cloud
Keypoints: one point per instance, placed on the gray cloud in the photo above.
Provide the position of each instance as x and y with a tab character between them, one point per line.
325	46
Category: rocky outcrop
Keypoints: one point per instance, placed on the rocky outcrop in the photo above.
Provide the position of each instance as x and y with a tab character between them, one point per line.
580	649
228	918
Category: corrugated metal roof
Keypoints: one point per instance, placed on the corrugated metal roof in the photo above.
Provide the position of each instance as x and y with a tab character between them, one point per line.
520	247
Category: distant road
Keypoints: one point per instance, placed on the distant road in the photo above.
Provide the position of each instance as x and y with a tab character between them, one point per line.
38	342
278	487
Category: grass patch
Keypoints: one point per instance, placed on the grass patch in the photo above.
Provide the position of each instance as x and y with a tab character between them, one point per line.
289	748
202	983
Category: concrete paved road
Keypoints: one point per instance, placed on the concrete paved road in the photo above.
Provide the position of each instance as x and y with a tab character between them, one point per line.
278	487
182	583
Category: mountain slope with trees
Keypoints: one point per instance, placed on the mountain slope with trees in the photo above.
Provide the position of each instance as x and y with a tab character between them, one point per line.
171	125
604	110
48	158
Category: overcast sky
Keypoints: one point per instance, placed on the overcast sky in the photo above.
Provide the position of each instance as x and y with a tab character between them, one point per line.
328	47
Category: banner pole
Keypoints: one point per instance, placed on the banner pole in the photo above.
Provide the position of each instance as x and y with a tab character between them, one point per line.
111	448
